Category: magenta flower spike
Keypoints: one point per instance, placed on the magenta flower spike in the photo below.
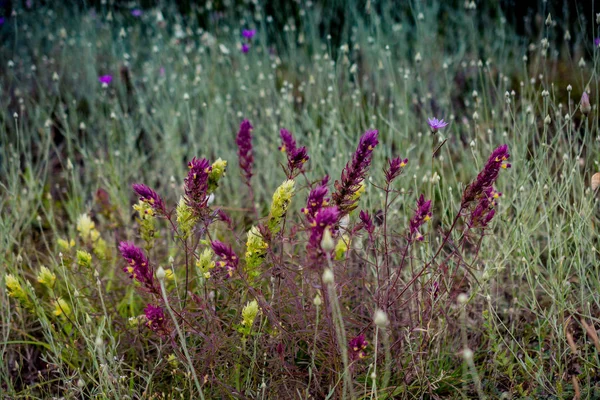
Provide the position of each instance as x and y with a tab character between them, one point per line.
486	178
196	184
229	260
155	319
244	143
149	196
422	214
107	79
138	266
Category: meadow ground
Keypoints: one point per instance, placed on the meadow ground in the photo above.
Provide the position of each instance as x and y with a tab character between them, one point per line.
438	261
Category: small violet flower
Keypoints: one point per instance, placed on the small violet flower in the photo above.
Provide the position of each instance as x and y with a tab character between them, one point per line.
249	33
106	79
436	124
136	12
245	48
597	42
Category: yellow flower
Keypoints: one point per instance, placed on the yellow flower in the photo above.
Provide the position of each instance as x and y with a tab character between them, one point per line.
249	313
46	277
15	290
65	245
185	218
85	227
218	170
342	247
169	275
61	307
256	249
205	262
279	205
84	259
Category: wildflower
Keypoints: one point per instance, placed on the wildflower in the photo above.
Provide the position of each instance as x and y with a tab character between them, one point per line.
87	228
367	223
105	79
217	171
2	20
597	42
422	215
327	242
248	33
436	124
244	142
65	245
61	308
341	247
136	12
155	319
585	103
150	197
484	211
357	347
249	313
279	205
46	277
138	265
245	48
15	290
229	260
394	168
296	156
196	184
487	176
256	249
354	174
316	201
380	319
325	218
185	218
205	262
84	259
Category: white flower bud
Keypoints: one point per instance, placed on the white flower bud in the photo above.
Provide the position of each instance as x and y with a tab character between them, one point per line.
161	274
327	276
549	20
317	301
380	318
462	298
467	354
327	242
547	120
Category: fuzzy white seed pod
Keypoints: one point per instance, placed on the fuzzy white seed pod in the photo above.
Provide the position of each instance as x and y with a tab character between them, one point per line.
467	354
462	298
317	301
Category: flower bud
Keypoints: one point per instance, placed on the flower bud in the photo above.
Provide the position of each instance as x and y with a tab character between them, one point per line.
161	274
327	276
380	319
327	243
585	103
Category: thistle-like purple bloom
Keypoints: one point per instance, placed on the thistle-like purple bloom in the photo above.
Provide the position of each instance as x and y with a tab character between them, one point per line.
150	197
296	156
354	174
422	214
155	319
136	12
357	347
196	184
325	218
315	202
394	168
244	143
436	124
249	33
138	266
107	79
487	176
229	260
245	48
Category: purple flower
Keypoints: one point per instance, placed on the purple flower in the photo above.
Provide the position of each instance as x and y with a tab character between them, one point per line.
436	124
249	33
138	266
136	12
597	42
325	218
584	104
316	201
354	174
229	260
161	71
245	48
357	347
2	20
244	142
196	184
484	211
149	196
296	156
422	215
486	178
155	319
394	169
107	79
367	223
